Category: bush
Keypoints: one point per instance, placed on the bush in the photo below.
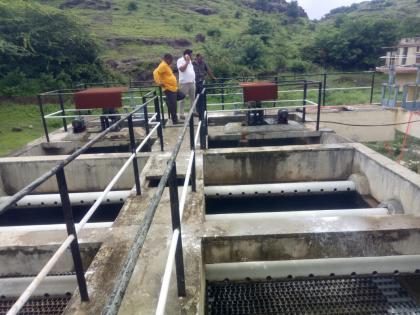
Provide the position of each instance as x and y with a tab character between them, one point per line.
35	52
299	66
132	6
356	44
214	32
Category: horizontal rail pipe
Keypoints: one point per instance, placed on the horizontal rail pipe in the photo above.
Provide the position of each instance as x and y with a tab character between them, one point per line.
40	180
123	278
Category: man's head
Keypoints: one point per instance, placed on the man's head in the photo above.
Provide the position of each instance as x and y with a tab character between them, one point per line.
199	58
168	58
188	52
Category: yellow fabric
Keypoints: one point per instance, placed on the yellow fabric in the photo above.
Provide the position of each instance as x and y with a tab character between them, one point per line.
163	75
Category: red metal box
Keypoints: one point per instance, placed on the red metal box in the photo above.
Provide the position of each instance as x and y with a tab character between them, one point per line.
259	91
99	98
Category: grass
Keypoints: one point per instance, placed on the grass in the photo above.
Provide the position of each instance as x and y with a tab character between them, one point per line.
409	155
26	117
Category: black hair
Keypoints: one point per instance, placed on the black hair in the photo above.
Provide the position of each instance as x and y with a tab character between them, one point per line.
188	52
167	56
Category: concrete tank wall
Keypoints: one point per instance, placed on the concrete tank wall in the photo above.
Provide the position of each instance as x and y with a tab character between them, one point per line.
387	179
28	260
90	172
277	164
310	246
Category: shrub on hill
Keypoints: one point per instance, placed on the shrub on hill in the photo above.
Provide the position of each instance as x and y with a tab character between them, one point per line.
43	48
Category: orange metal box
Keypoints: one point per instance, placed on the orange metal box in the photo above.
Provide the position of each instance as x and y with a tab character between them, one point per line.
259	91
99	98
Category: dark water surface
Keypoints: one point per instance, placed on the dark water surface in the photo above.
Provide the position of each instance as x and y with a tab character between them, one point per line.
244	204
54	215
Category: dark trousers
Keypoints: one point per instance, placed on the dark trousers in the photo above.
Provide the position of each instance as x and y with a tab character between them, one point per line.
171	101
199	86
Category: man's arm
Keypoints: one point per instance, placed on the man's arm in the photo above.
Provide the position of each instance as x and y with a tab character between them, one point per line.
157	76
210	73
183	66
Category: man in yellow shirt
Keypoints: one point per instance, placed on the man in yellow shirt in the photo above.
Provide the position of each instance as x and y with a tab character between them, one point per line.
165	78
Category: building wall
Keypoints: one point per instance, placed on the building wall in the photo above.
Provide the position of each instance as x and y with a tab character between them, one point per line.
409	47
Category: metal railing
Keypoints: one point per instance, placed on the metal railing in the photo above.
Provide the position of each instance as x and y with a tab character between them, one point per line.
169	178
324	77
63	113
72	231
306	102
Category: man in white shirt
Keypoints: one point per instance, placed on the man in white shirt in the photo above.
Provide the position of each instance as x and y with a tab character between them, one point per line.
186	79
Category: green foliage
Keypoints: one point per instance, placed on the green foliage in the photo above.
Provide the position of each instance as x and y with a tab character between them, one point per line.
356	44
214	32
299	66
292	10
132	6
35	52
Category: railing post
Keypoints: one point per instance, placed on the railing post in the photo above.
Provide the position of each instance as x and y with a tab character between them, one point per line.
133	151
324	88
146	123
71	230
318	108
203	129
205	112
223	94
372	87
192	145
176	224
305	91
159	130
162	111
60	97
44	123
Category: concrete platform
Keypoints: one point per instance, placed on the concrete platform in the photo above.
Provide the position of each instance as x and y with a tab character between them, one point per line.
213	242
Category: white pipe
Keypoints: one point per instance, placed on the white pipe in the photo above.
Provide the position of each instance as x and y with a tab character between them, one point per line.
152	118
163	295
280	188
315	267
52	227
108	188
185	187
282	215
76	199
198	133
262	108
142	144
29	291
53	260
53	285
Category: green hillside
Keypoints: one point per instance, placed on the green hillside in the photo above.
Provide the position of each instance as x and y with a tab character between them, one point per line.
51	43
135	33
399	9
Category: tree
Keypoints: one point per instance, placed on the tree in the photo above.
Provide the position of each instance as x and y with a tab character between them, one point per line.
132	6
292	10
261	27
36	39
355	44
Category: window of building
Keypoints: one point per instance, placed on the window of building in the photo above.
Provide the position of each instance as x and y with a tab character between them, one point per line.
404	56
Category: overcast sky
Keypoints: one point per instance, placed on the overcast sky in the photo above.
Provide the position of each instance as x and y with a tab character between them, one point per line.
318	8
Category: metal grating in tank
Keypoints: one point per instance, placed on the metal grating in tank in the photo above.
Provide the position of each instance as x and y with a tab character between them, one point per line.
331	296
45	305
